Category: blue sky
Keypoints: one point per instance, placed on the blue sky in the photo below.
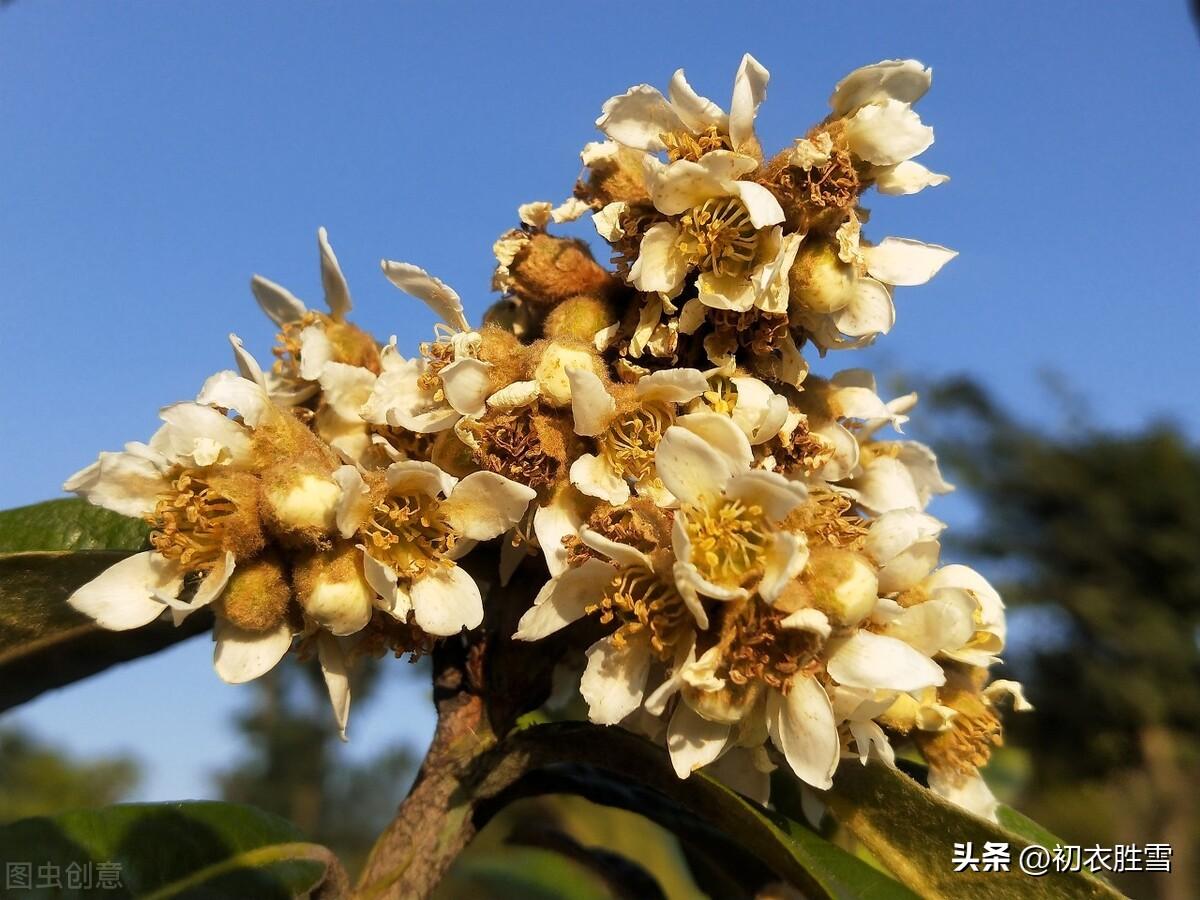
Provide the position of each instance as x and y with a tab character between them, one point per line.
155	155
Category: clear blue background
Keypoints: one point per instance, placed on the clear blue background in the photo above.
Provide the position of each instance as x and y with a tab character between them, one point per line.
154	155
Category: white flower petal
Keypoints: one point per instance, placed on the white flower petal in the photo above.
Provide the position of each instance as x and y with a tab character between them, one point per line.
484	505
946	621
564	599
242	656
315	352
906	177
969	792
749	91
895	531
659	266
337	679
614	680
337	292
671	386
355	503
434	292
213	583
467	385
905	262
346	389
885	484
622	554
691	469
594	476
696	112
867	660
415	475
393	599
898	79
126	595
230	390
446	601
248	366
775	494
809	619
591	405
721	434
764	209
869	312
802	726
280	304
638	117
887	133
694	741
1002	687
784	560
125	483
560	517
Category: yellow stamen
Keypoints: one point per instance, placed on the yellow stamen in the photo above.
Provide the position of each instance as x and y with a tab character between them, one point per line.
717	236
409	535
189	523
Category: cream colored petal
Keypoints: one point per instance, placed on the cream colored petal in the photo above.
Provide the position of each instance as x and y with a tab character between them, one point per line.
905	80
906	177
591	405
887	133
446	601
894	532
869	312
280	304
247	365
467	385
802	727
554	521
759	412
515	395
694	741
569	210
690	468
346	389
845	451
991	607
638	117
126	595
808	619
725	292
696	112
736	769
946	621
125	483
594	476
213	583
885	484
866	660
193	426
678	186
785	558
354	506
393	599
1002	687
659	265
315	352
417	476
621	554
868	738
337	679
564	599
337	292
536	214
671	386
484	505
231	391
608	221
905	262
777	496
749	91
434	292
764	209
614	680
691	317
922	466
722	434
907	568
242	656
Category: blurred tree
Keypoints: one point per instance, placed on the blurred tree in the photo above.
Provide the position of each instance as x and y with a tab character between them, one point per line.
36	779
295	766
1098	536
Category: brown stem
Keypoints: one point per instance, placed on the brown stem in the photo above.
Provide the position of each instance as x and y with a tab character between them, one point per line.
433	823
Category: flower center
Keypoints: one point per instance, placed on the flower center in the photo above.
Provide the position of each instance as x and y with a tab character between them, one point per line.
189	522
639	600
717	236
727	540
510	445
409	534
693	145
629	442
826	519
759	650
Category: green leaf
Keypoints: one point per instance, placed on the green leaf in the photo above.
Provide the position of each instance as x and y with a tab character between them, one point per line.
197	850
45	644
69	524
616	768
526	872
912	832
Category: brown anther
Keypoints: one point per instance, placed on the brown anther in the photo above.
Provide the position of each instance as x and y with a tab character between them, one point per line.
189	522
693	145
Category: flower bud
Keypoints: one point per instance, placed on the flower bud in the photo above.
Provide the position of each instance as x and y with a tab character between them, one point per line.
332	590
614	173
548	270
843	585
299	505
256	598
579	318
353	346
504	353
553	360
820	282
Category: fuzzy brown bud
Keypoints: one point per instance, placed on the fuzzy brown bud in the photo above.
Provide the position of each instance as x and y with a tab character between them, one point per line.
256	598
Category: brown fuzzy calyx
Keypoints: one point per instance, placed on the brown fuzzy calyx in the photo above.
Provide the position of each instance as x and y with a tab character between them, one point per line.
526	445
257	596
974	731
579	318
549	269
